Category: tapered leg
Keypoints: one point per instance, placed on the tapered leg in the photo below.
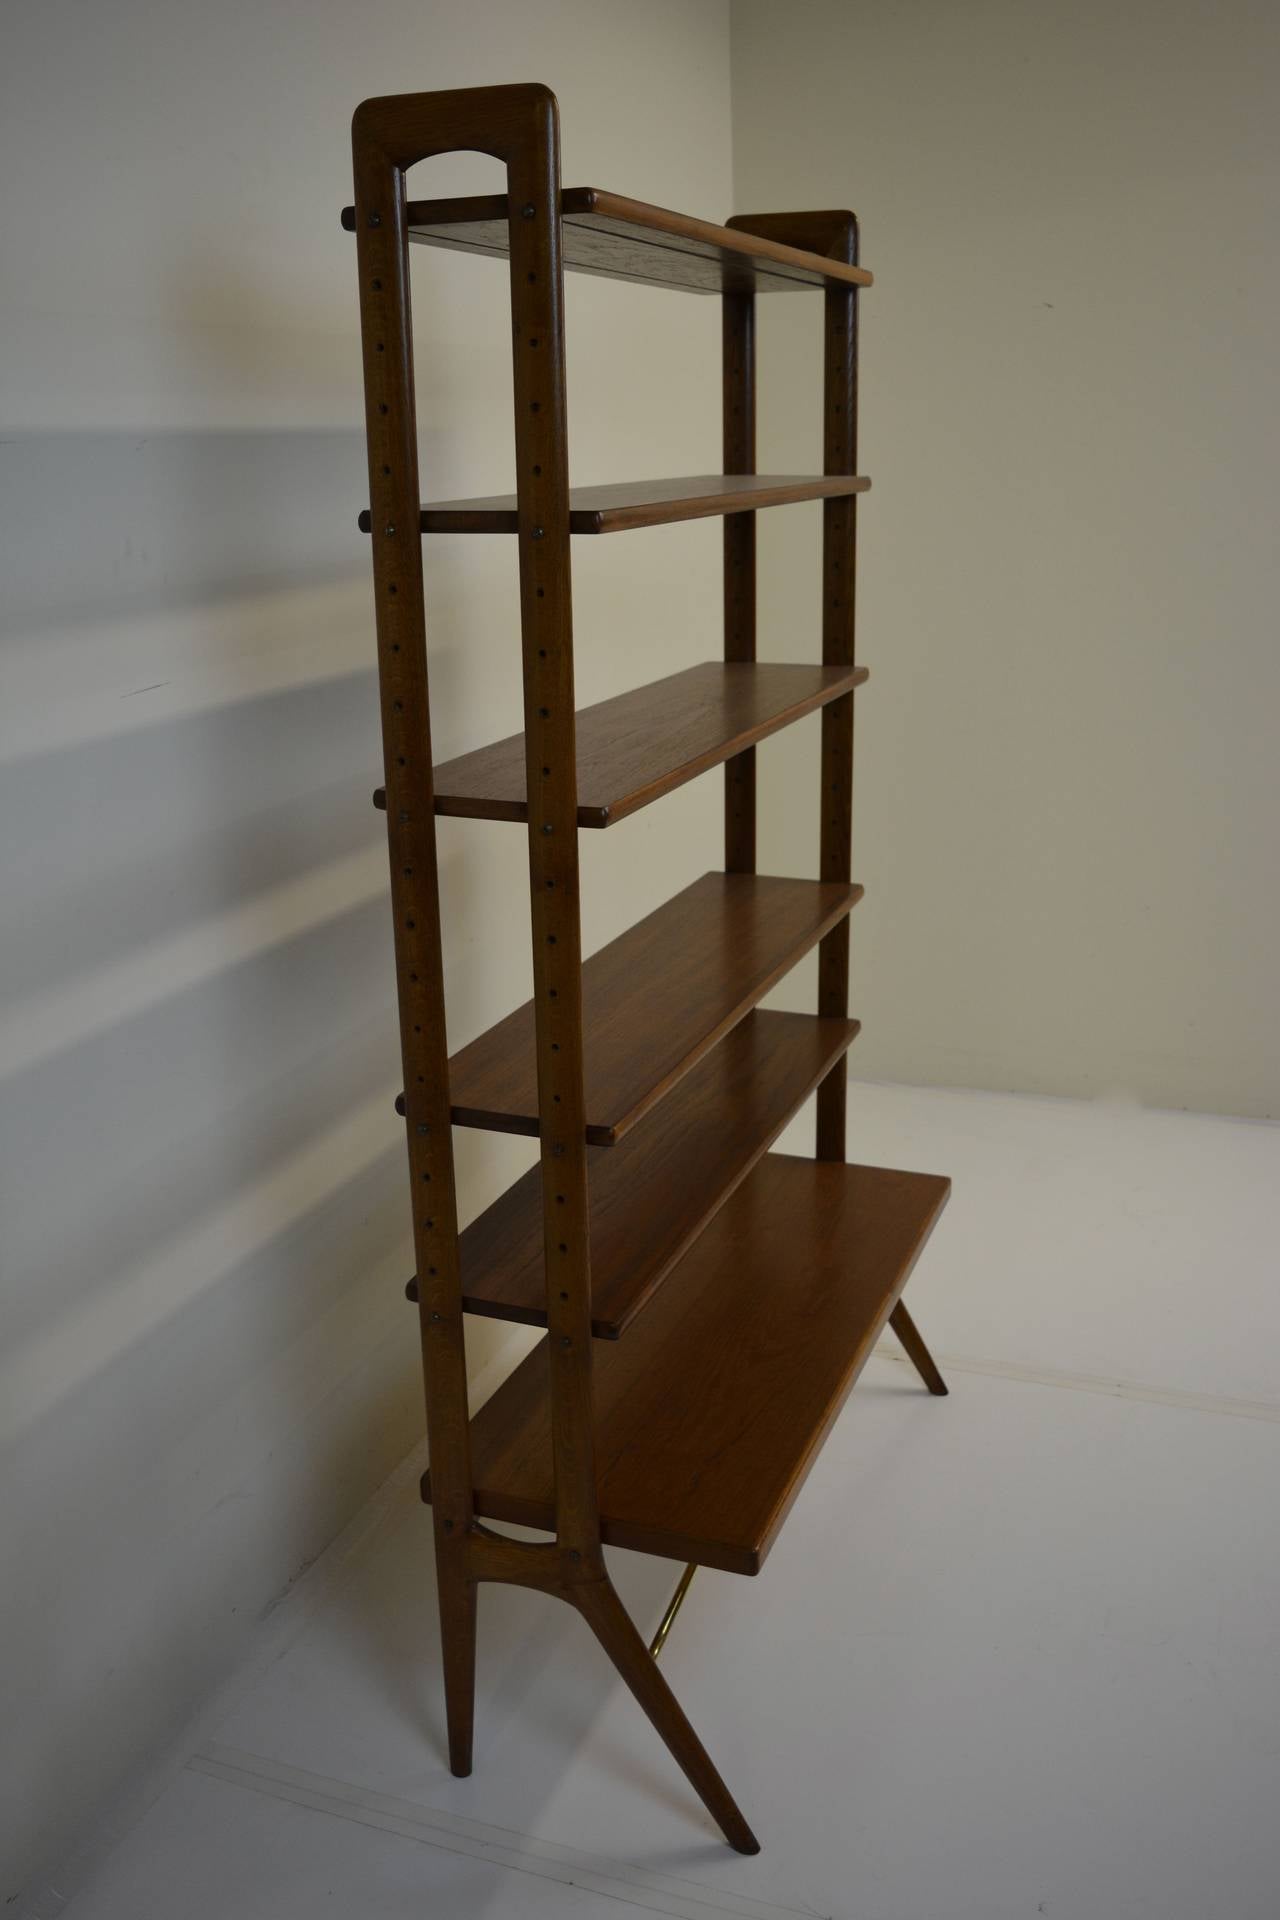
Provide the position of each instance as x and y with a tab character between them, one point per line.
917	1352
458	1646
614	1629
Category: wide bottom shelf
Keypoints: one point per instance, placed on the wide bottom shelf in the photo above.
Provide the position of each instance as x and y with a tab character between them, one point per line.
711	1409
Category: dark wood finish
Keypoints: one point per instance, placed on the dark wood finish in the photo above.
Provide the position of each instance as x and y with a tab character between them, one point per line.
654	1001
626	504
709	1134
738	356
835	234
917	1352
711	1411
640	745
555	1020
568	1576
606	233
616	1632
379	131
839	576
743	1354
519	126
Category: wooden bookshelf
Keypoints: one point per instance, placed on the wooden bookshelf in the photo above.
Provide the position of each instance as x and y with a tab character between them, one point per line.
707	1303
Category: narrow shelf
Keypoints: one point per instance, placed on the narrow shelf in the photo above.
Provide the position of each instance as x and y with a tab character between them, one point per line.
714	1128
625	504
605	233
654	1001
710	1413
640	745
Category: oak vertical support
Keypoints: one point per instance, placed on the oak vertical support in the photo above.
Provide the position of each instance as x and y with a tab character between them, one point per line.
739	370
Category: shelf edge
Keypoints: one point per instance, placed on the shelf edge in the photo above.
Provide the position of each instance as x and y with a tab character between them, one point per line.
486	1120
614	1328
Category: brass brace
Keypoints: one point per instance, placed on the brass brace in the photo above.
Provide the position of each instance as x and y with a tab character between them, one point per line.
659	1640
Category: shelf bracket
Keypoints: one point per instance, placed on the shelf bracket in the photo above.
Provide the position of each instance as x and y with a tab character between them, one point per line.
674	1605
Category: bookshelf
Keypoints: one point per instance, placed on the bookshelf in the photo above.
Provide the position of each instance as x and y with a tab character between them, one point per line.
707	1303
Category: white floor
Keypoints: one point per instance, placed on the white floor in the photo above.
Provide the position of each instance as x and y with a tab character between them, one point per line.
1017	1652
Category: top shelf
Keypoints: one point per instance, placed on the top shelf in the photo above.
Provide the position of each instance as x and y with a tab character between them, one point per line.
621	239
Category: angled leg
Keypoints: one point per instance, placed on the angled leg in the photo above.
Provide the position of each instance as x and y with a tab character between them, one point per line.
614	1629
457	1592
917	1352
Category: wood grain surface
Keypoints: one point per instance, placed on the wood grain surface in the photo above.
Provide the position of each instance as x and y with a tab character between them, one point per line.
709	1134
640	745
710	1412
654	1001
622	239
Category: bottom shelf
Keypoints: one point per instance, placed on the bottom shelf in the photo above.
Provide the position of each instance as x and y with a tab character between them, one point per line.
711	1409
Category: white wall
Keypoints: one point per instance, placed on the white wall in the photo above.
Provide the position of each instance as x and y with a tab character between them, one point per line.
207	1359
1068	783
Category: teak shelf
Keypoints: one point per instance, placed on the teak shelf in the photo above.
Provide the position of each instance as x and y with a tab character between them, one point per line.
641	503
708	1304
636	747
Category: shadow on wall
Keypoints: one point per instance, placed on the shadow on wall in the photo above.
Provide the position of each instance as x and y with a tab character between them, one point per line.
191	902
206	1362
102	523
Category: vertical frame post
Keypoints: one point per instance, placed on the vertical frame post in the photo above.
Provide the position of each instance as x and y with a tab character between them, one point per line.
519	125
739	380
382	249
546	619
839	574
834	233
